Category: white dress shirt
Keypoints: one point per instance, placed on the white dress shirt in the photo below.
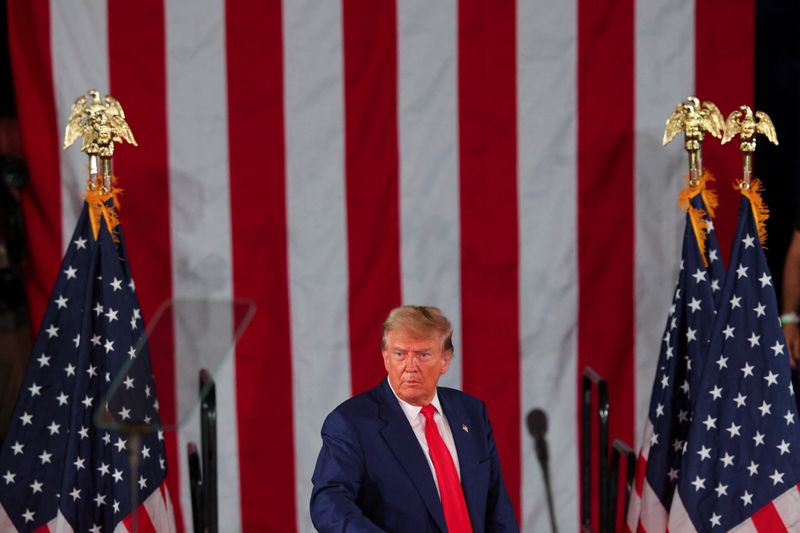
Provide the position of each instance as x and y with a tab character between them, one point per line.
417	420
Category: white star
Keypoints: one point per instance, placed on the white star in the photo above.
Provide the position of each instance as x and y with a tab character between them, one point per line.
752	468
704	453
35	390
96	527
79	463
765	280
760	309
734	430
714	285
716	392
45	457
771	378
162	463
710	226
710	422
741	272
120	444
92	371
128	383
789	417
116	506
53	427
142	482
61	302
106	438
776	477
746	498
783	447
87	401
740	400
26	418
98	309
116	284
109	346
69	369
685	386
80	243
715	519
777	348
111	315
147	391
722	362
758	438
748	241
17	447
9	477
699	276
132	352
96	340
747	369
694	304
125	413
727	459
117	475
678	292
728	332
668	353
137	314
690	334
62	398
70	272
673	323
664	381
43	361
754	339
721	490
100	499
103	469
712	254
735	302
699	483
677	444
672	474
52	331
145	452
765	408
28	515
76	494
84	432
77	340
132	285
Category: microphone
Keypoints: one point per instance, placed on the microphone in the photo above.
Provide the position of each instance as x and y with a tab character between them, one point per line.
537	427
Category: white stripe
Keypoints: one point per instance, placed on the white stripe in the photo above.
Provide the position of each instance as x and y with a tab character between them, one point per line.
315	186
79	48
664	76
679	521
634	506
653	514
788	507
746	527
5	521
428	138
157	511
200	226
547	167
59	524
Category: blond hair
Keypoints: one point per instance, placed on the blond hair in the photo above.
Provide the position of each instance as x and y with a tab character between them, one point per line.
421	321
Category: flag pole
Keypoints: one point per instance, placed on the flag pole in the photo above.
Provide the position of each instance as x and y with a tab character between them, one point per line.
694	120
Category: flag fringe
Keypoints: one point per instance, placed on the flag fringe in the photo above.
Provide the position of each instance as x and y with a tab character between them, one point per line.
99	208
757	204
697	216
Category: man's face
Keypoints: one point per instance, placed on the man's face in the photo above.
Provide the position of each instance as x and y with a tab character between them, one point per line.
414	365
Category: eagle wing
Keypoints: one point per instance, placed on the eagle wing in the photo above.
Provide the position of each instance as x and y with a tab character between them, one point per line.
74	128
714	122
674	125
116	116
731	126
765	126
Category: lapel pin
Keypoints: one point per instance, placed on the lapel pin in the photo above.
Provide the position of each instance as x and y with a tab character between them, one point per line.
465	428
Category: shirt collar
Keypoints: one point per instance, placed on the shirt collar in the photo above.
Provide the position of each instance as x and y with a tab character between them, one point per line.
412	411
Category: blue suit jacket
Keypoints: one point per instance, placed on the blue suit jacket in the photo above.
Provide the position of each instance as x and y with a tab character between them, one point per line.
372	475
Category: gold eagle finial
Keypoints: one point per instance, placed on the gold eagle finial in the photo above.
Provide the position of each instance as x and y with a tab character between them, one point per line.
694	120
748	125
100	124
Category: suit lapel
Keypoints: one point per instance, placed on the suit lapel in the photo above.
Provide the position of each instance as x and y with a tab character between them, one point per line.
404	445
468	454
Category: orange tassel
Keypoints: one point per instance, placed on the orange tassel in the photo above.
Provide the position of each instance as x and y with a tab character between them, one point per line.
96	201
697	216
760	209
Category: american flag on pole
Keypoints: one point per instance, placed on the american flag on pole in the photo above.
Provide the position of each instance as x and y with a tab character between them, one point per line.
330	160
60	471
741	468
683	348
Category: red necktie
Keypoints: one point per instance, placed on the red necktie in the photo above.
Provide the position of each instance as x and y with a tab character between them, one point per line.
453	504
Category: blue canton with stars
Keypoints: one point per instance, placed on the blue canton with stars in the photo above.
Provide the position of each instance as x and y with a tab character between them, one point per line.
54	458
743	448
684	345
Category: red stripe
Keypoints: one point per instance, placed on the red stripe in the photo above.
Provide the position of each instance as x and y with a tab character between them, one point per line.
768	520
260	262
641	470
489	225
137	69
371	168
29	41
606	202
724	71
144	524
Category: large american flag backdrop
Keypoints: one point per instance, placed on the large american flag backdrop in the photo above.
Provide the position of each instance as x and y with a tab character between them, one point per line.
331	160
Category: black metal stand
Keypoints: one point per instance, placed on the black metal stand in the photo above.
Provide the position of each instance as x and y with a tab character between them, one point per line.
204	477
617	448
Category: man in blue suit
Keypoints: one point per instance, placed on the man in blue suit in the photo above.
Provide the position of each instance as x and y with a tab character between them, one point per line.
408	455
